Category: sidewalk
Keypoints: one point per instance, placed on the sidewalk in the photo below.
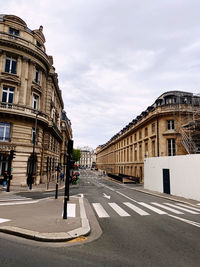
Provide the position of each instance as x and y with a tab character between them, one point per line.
37	188
42	219
167	196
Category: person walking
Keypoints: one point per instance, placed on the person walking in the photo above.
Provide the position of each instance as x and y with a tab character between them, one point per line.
5	177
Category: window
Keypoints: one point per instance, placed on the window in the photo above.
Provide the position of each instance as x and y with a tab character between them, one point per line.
135	152
39	44
146	131
153	149
8	94
140	134
35	101
140	152
11	65
170	125
135	137
153	128
146	149
131	139
4	131
37	76
171	143
14	32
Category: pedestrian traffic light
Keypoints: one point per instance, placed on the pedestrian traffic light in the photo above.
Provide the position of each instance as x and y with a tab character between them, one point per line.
12	154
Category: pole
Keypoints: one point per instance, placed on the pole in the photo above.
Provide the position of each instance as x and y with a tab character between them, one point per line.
56	195
66	195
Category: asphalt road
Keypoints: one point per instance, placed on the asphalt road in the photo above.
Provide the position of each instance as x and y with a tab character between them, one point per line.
140	237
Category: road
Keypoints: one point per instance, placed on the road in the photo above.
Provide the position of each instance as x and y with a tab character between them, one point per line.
137	230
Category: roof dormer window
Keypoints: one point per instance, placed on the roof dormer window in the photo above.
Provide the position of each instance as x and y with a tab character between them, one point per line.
13	32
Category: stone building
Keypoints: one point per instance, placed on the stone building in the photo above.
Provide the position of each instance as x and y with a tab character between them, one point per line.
31	104
88	157
171	126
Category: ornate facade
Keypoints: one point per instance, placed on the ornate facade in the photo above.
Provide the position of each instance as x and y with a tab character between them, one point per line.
31	105
168	127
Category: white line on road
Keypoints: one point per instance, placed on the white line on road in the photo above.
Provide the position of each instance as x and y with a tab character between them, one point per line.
119	210
71	210
4	220
180	208
14	199
152	208
136	209
127	197
186	221
106	196
19	203
100	210
167	208
192	208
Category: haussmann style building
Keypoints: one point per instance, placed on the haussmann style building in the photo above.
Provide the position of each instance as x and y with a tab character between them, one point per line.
169	127
33	122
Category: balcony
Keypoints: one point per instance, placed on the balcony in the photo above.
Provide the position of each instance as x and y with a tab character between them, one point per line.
20	110
5	37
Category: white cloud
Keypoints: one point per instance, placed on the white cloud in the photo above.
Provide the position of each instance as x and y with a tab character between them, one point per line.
114	58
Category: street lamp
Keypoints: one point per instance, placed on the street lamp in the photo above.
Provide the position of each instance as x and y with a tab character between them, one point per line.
33	159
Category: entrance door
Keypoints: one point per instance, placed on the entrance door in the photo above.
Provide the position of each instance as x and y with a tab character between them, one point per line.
166	181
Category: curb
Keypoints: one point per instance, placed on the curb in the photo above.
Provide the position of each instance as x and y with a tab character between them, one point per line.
165	197
84	230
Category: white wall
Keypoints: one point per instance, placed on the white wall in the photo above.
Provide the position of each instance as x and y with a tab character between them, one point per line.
184	175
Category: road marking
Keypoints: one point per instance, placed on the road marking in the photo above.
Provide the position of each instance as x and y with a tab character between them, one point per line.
100	210
19	203
119	210
71	210
127	197
180	208
4	220
192	208
167	208
186	221
152	208
14	199
136	209
106	196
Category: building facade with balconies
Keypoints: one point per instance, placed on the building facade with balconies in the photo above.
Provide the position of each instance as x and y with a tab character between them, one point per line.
166	128
31	104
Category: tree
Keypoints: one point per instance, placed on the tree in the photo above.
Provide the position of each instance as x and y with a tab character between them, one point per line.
76	155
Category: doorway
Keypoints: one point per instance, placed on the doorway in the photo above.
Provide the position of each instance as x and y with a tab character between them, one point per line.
166	181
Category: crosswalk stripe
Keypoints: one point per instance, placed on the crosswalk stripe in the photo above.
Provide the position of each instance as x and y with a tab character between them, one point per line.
71	210
100	210
167	208
136	209
3	220
119	210
152	208
192	208
180	208
18	203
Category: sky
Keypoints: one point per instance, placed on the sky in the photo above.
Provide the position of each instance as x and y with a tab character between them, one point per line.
114	58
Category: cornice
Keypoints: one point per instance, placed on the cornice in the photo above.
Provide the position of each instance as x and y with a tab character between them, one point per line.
26	49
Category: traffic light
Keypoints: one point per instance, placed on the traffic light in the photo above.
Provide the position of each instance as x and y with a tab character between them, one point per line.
12	154
71	164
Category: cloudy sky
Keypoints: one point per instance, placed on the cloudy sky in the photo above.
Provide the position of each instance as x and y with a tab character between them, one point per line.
114	57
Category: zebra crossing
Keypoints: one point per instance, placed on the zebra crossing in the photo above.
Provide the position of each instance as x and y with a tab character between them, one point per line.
142	209
7	200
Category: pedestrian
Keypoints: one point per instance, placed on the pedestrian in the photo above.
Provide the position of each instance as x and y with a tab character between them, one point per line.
29	181
62	176
5	177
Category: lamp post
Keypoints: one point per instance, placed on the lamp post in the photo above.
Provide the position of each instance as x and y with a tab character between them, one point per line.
33	158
